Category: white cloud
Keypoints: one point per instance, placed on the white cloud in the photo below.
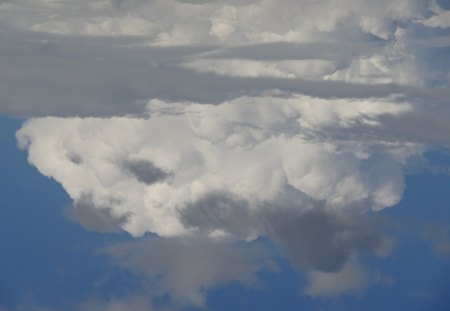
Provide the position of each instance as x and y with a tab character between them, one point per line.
203	149
298	170
440	19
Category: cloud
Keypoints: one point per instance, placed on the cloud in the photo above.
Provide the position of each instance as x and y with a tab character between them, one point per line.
145	171
351	279
169	274
219	213
29	307
306	193
166	21
135	303
109	58
441	16
97	218
186	269
314	150
439	236
117	76
310	238
323	241
231	126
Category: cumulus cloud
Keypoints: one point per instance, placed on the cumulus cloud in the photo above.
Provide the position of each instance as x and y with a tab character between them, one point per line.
310	147
233	125
292	169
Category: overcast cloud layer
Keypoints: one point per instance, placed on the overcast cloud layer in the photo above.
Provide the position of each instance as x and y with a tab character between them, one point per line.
231	120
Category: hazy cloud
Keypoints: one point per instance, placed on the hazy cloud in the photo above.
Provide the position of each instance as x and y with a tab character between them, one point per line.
440	239
351	279
135	303
322	240
186	269
312	238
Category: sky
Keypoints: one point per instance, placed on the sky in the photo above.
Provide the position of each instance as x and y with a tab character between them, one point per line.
224	155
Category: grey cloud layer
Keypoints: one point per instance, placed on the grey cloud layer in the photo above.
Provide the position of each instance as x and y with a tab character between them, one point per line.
104	77
104	70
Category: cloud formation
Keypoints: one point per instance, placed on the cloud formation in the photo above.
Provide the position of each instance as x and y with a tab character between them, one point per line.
310	149
351	278
186	269
110	57
233	125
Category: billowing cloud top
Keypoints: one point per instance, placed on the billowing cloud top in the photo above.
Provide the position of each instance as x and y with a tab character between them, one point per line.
265	151
230	118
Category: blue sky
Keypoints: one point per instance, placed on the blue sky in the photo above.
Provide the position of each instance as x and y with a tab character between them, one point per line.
173	155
